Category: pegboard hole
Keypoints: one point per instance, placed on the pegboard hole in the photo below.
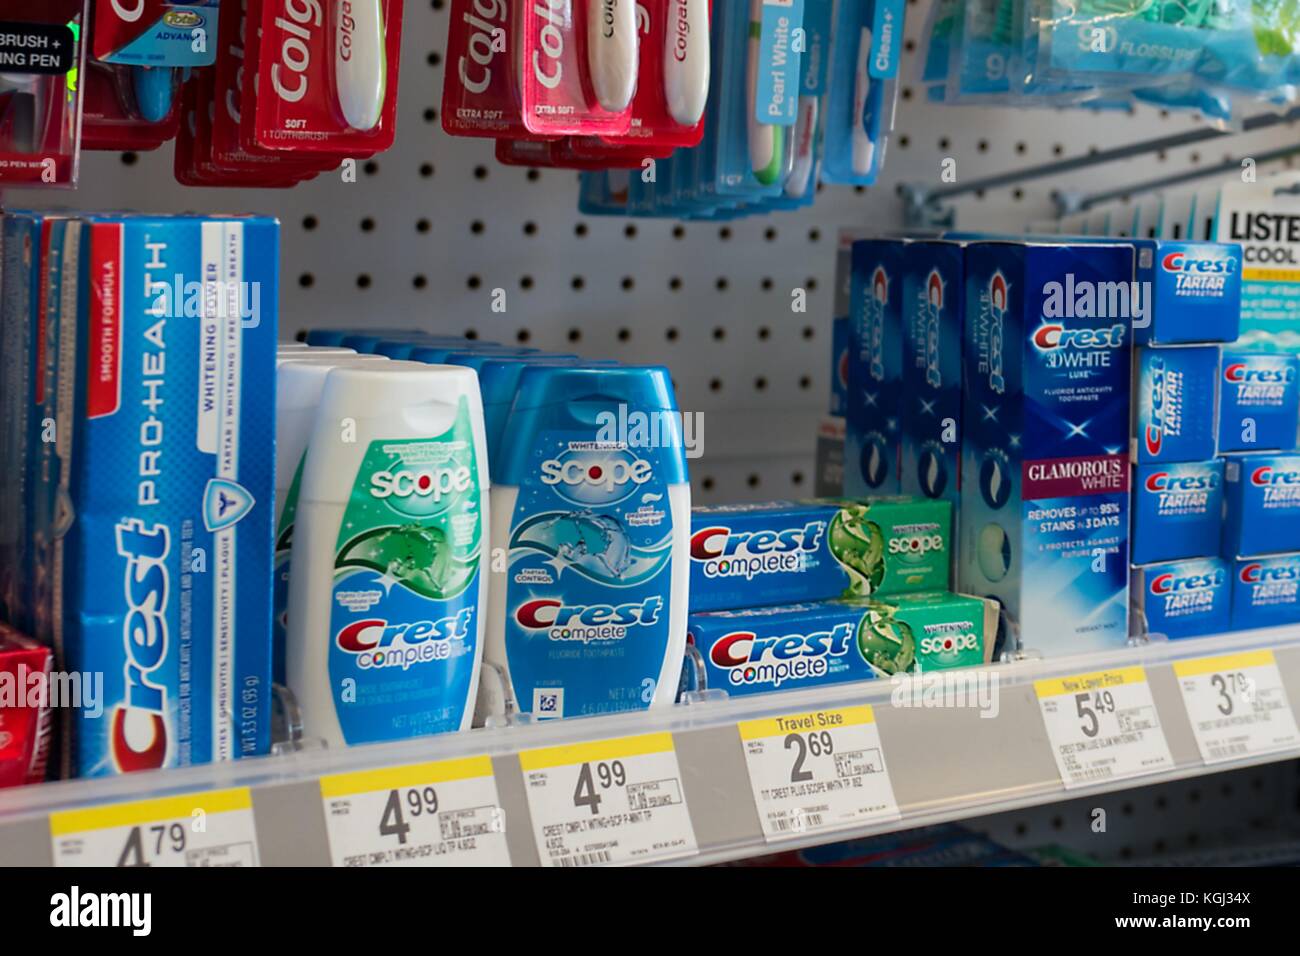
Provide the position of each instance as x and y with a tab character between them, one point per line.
675	283
430	115
476	227
814	235
575	335
310	222
471	334
578	283
423	225
363	281
367	224
306	280
130	159
679	232
766	284
805	382
796	478
533	175
724	233
671	334
523	335
580	230
420	281
719	334
624	334
753	481
530	229
370	168
480	172
769	234
426	170
627	284
760	384
809	331
473	282
434	59
525	282
764	333
629	231
715	385
707	483
721	284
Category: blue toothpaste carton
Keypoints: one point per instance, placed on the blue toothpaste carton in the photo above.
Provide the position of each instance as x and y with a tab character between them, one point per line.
781	552
1182	598
875	369
1266	591
1177	510
1195	291
1182	292
1263	504
839	365
164	572
1044	518
1259	401
932	369
1175	404
830	642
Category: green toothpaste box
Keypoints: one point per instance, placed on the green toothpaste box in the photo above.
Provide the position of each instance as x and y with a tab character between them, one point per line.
782	552
829	642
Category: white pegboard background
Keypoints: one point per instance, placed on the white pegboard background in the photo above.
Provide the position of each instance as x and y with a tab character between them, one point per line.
430	228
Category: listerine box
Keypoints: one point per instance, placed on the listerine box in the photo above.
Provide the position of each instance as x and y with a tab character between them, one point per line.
1044	522
1263	504
1182	292
165	567
1177	510
1181	598
1259	400
875	371
1174	403
780	552
932	368
802	645
1266	591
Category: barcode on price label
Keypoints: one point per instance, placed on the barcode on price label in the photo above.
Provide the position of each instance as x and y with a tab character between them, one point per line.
213	828
608	801
444	813
1237	705
1103	726
818	770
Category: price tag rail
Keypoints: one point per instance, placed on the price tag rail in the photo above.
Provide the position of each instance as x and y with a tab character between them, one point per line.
955	745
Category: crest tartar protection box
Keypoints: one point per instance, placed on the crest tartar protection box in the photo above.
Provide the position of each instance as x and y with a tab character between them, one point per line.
1044	517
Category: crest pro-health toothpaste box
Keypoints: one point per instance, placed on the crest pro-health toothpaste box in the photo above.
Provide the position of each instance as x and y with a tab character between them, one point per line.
1044	518
164	572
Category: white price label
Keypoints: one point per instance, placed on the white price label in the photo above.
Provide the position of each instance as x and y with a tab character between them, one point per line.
609	801
1237	705
820	770
201	829
432	814
1103	726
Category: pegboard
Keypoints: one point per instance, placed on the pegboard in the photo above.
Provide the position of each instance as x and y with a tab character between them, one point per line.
430	229
1256	806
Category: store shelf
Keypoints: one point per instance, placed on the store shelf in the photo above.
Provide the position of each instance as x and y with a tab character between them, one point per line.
945	763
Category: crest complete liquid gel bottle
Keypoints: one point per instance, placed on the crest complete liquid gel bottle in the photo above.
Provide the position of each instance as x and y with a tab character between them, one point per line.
592	504
387	593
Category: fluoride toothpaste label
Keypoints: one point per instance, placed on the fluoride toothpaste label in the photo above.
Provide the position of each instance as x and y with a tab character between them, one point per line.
1182	598
588	582
1259	400
1177	511
404	604
1263	495
1265	591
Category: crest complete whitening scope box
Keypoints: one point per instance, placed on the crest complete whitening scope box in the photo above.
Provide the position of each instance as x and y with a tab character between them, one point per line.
875	372
1175	403
1265	591
1182	598
794	646
164	574
932	369
780	552
1177	510
1263	504
1044	517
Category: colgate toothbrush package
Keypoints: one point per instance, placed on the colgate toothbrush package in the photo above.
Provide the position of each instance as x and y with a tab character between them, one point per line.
481	92
673	82
40	100
326	75
580	63
155	33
